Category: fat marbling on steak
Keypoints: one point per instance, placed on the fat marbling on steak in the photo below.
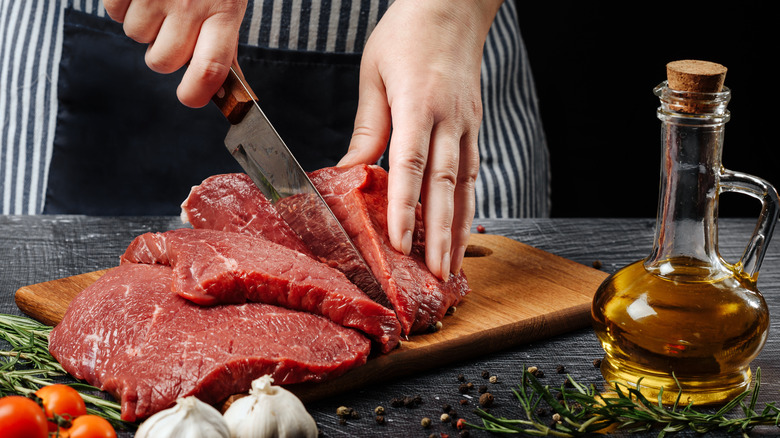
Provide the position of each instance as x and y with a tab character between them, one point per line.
130	335
219	267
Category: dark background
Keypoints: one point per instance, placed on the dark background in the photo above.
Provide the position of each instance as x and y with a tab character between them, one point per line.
595	67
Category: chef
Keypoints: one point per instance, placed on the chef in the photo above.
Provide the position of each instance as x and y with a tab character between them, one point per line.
449	80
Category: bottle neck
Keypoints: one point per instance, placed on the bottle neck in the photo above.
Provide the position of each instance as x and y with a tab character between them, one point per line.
686	224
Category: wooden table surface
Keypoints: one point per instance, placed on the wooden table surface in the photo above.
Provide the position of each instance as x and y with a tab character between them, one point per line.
35	249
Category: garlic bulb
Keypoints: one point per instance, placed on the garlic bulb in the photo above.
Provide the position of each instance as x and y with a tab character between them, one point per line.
269	412
189	418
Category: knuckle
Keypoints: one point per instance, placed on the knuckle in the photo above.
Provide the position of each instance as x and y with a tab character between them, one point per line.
209	71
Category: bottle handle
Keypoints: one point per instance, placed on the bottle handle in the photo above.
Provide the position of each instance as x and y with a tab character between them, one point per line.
760	189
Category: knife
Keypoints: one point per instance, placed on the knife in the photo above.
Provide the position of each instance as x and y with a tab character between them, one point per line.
264	156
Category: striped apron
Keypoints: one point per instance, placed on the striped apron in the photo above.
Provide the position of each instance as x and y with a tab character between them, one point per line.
86	128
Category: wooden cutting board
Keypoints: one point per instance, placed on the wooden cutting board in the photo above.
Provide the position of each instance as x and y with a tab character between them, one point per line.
519	294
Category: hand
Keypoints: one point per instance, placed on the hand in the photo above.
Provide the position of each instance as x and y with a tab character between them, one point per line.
201	32
420	75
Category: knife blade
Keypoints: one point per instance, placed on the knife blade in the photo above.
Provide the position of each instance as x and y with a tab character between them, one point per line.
264	156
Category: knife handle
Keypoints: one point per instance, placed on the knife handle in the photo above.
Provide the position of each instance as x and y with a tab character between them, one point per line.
234	97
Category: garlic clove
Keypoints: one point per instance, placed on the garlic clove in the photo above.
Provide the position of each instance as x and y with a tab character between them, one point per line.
269	411
189	418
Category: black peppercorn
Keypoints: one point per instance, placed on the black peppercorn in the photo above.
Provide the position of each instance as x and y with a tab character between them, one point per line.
461	378
560	369
463	388
486	400
482	389
597	363
485	374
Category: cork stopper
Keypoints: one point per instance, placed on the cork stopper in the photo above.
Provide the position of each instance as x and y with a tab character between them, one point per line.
696	76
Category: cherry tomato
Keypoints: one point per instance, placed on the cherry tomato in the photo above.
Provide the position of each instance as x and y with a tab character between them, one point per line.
91	426
61	400
21	417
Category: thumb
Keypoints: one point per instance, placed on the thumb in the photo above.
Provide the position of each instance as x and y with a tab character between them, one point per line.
372	125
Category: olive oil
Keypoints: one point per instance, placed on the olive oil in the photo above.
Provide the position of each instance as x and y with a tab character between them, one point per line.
683	319
704	331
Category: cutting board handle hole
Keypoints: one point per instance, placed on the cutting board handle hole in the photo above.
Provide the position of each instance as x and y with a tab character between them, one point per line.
477	251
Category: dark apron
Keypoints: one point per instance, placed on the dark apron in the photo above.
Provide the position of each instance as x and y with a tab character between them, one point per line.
124	144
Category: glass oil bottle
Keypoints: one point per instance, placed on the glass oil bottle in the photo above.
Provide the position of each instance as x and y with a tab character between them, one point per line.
683	314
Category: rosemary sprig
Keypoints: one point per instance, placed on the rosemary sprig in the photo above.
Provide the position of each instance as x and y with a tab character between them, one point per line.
28	366
584	411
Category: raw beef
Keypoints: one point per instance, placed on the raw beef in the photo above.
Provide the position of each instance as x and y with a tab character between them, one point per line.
130	335
232	202
229	202
358	197
213	267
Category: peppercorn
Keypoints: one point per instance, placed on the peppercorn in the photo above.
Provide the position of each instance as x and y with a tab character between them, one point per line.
542	412
597	264
556	417
425	422
343	411
461	424
417	399
445	418
463	401
532	370
461	378
485	374
567	383
494	379
379	410
560	369
482	389
463	388
480	229
597	363
380	419
539	374
486	400
451	310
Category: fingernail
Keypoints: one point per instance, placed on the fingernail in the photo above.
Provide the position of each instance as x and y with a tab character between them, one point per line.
406	242
457	260
445	266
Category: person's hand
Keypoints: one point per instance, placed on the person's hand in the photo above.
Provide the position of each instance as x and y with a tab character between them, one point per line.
420	77
201	32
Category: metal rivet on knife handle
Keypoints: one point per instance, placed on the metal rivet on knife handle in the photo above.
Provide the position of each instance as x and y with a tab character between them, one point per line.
232	98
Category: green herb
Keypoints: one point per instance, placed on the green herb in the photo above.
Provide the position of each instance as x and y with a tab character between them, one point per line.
583	411
28	366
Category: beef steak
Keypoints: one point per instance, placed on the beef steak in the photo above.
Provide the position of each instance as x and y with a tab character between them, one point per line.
222	267
130	335
229	202
358	197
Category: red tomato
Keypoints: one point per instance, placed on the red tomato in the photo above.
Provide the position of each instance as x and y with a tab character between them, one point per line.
21	417
91	426
61	400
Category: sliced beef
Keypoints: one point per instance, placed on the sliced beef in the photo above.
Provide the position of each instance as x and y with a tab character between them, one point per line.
213	267
358	197
130	335
230	202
